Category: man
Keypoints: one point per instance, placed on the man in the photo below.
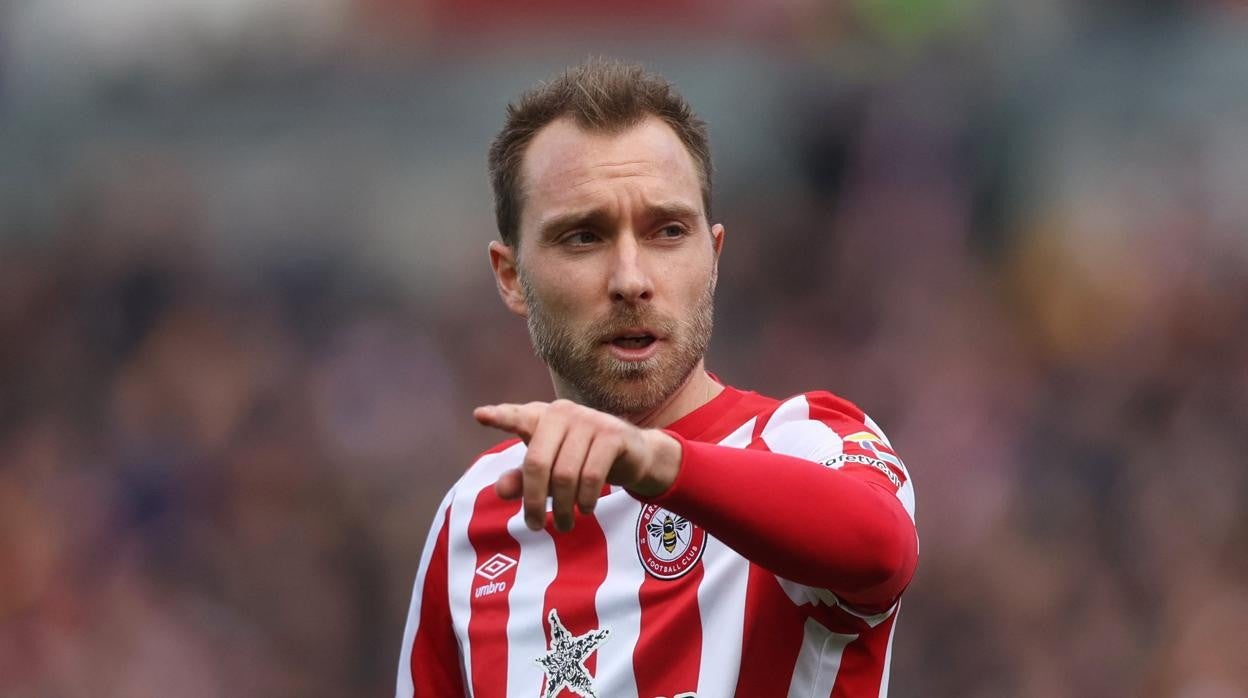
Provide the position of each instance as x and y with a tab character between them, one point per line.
653	532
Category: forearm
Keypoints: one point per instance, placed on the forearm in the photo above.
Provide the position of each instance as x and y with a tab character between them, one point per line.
806	522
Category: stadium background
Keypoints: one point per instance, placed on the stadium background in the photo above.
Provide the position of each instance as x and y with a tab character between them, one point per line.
245	313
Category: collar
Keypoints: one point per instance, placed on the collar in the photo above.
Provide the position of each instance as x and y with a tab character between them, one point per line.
720	416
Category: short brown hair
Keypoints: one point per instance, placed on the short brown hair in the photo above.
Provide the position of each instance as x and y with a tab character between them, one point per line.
599	95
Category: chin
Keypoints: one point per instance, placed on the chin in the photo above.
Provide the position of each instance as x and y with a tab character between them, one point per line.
624	396
631	372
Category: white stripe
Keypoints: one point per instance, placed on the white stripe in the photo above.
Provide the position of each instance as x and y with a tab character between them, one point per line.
906	492
800	595
818	662
488	468
872	620
461	557
404	687
791	410
870	423
526	627
618	597
906	495
721	603
741	437
461	563
888	660
808	439
792	432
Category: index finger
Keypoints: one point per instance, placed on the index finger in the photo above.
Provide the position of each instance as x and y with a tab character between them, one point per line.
520	420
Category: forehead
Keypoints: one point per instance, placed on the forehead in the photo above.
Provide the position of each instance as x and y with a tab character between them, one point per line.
567	169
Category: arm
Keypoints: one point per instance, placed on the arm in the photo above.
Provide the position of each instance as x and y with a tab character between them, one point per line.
837	517
429	662
838	529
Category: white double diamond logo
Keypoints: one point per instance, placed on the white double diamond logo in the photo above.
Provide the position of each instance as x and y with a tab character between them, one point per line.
493	567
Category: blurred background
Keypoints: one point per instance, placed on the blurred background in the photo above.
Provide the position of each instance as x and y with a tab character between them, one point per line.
245	311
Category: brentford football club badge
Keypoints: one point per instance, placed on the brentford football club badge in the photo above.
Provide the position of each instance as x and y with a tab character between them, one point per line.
668	544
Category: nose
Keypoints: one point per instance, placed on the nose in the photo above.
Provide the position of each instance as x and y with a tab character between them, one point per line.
630	281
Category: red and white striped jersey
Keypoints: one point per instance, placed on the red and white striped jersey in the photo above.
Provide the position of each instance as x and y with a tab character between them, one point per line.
772	567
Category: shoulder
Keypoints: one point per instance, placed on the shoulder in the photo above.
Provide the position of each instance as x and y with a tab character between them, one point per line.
830	430
487	466
817	422
497	458
495	450
815	405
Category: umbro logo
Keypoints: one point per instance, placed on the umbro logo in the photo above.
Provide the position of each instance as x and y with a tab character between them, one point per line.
495	566
491	569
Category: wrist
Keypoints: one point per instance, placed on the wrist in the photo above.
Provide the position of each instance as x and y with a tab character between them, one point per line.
664	465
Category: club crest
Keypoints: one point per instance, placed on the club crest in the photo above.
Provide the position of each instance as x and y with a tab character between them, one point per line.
668	544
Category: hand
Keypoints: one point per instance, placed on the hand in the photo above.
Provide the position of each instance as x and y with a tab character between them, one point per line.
573	451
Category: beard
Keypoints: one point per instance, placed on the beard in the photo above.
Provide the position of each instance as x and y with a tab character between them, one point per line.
606	383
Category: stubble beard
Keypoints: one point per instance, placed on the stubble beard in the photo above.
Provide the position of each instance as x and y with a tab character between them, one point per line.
606	383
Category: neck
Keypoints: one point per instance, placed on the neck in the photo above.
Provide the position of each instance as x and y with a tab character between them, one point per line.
697	390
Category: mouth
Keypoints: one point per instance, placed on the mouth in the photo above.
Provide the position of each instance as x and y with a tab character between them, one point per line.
633	344
634	341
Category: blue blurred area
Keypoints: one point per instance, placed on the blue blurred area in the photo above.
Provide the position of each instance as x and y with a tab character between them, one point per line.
245	312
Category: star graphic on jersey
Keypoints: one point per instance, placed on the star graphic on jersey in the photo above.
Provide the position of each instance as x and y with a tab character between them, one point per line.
564	664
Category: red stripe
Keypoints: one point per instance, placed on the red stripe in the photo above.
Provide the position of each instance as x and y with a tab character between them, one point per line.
581	556
761	423
435	652
862	663
487	621
669	645
723	415
772	637
825	406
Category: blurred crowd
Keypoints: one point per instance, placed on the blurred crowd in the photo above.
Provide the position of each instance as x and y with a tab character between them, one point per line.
245	313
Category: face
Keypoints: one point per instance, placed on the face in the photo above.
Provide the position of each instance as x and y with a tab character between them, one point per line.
616	265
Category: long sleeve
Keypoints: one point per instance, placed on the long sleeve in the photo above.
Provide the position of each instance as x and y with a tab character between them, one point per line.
833	519
429	663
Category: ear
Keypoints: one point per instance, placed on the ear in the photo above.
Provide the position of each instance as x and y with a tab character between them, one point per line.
717	244
507	277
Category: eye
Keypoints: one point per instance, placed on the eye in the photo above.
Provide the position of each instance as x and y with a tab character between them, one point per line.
672	232
580	238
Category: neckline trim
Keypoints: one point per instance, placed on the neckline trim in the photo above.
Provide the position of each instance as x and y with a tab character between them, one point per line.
721	415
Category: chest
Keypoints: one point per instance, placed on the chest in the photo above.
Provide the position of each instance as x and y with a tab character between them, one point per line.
635	594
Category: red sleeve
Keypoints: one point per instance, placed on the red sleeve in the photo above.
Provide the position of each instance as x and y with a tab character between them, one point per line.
844	530
435	663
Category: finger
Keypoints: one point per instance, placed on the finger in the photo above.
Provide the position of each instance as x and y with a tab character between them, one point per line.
566	474
538	460
520	420
510	484
598	461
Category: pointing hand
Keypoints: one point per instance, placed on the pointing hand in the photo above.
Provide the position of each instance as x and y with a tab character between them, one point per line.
573	451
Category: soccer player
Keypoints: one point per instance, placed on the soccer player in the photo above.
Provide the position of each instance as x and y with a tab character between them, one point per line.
652	532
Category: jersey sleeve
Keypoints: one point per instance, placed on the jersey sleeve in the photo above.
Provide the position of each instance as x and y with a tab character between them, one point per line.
429	661
818	497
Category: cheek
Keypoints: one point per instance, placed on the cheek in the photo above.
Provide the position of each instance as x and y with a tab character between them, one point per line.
568	293
692	280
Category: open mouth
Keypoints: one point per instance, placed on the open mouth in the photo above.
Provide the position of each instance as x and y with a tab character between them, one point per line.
633	341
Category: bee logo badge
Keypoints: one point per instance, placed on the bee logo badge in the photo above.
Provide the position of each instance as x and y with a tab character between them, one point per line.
669	545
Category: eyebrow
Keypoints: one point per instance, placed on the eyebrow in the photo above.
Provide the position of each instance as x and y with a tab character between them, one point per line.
597	218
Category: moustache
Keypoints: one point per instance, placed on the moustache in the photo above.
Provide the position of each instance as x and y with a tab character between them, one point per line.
631	318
